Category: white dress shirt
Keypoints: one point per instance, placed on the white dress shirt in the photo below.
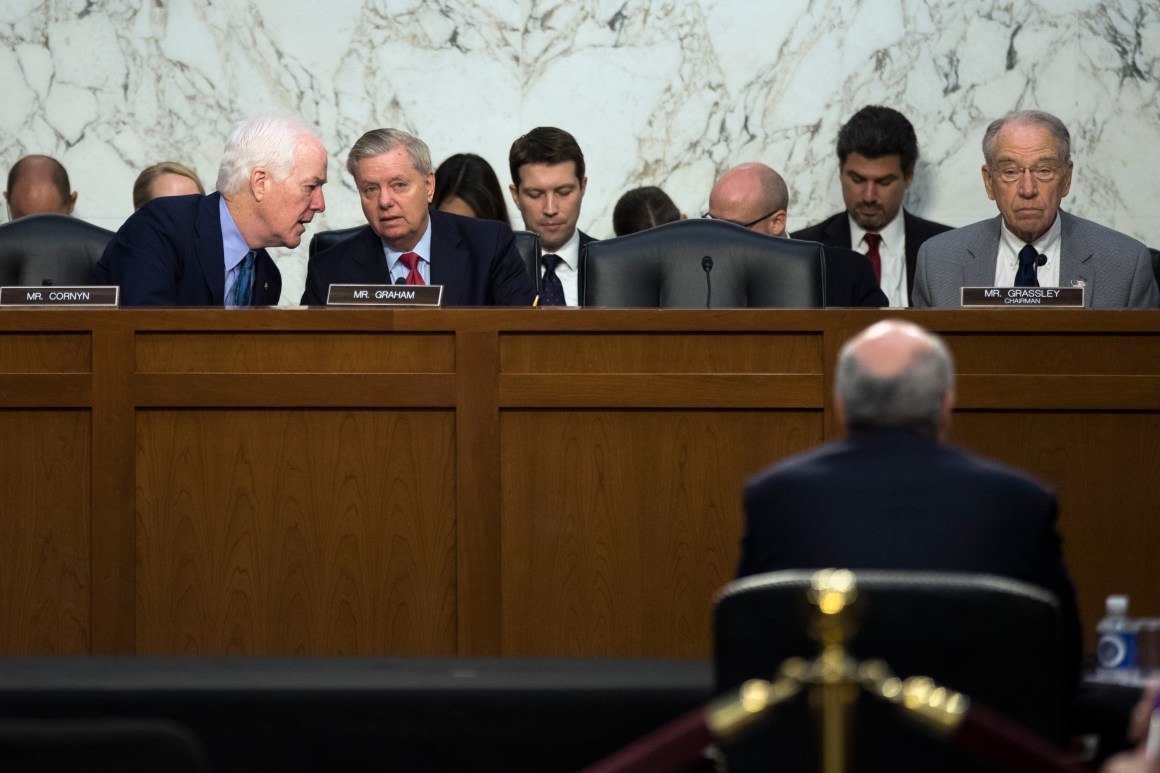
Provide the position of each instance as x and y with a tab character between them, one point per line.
892	253
569	268
1007	263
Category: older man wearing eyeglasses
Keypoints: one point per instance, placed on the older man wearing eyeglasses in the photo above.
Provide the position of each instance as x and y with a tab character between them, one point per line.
1033	243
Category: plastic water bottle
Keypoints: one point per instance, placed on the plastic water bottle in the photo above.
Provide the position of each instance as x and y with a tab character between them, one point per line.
1116	647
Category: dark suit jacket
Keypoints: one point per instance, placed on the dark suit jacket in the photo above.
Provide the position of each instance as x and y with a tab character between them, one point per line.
836	231
475	260
169	253
850	279
894	499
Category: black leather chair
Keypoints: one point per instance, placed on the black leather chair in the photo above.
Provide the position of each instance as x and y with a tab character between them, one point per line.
324	240
994	639
527	243
99	745
663	267
50	249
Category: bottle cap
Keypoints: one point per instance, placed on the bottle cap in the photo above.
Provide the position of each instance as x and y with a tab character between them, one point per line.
1117	605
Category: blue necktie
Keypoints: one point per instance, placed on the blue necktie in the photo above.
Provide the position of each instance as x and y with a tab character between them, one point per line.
243	287
1028	261
551	289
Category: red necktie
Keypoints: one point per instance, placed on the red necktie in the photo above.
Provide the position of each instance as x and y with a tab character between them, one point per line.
411	261
873	240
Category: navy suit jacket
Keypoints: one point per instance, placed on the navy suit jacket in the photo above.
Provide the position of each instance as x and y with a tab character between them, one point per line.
895	499
169	253
835	231
475	260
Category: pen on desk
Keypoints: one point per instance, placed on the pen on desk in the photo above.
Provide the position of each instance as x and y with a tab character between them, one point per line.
536	302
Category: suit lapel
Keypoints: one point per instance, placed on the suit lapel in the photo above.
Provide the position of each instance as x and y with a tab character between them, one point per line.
207	249
838	231
1075	269
983	251
369	259
912	245
448	259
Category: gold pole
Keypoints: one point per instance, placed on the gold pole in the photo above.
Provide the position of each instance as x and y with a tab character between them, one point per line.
833	591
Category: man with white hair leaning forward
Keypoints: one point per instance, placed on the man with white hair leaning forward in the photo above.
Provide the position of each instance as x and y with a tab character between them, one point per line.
210	250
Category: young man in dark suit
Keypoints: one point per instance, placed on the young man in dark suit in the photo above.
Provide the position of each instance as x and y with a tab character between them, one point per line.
877	153
406	241
548	183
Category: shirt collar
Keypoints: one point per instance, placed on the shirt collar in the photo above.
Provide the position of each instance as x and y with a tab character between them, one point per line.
422	249
1046	245
570	251
892	234
234	246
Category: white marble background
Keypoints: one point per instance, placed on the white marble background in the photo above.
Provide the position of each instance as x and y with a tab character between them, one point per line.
669	93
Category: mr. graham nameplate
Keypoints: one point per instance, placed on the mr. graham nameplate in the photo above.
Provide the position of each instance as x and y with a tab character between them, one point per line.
385	295
51	295
1013	297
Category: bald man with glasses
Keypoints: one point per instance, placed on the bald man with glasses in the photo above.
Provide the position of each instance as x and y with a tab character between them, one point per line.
755	196
1034	243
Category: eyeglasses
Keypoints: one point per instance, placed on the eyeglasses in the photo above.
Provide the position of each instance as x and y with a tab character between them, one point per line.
750	224
1011	174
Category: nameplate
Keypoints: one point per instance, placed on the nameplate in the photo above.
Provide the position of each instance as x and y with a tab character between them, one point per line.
52	295
385	295
1056	297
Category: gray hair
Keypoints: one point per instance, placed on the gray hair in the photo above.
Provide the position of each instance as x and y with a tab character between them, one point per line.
379	141
270	140
913	397
1028	118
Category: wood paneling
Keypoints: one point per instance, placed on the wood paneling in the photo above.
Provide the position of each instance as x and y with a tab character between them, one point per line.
285	352
296	532
44	532
661	353
1104	468
45	352
620	526
489	481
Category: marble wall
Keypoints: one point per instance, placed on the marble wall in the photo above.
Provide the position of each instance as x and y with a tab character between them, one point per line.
669	92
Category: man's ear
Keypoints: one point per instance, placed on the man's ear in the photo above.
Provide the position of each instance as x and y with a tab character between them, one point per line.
72	203
259	182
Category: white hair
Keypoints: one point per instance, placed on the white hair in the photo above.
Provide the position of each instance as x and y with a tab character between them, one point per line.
270	140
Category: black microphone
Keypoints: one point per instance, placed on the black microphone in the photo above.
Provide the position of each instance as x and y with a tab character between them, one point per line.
47	283
1041	260
707	264
401	280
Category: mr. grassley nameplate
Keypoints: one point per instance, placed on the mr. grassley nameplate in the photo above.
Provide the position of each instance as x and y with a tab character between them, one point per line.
1055	297
385	295
51	295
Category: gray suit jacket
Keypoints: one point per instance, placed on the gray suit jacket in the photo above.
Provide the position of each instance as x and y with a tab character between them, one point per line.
1115	269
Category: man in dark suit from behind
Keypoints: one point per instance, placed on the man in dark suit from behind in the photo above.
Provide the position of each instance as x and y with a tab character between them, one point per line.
210	250
406	241
894	495
877	153
548	184
756	197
